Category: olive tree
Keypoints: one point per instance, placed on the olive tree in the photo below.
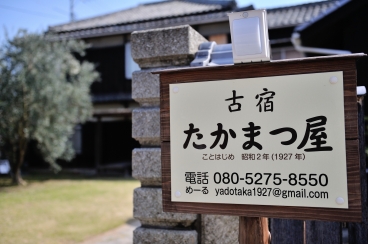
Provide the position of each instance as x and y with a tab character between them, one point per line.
44	93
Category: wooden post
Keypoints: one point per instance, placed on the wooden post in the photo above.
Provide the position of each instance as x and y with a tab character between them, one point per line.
358	232
253	230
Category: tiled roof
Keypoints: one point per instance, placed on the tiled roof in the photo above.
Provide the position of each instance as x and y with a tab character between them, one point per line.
305	25
295	15
178	12
144	12
223	3
130	27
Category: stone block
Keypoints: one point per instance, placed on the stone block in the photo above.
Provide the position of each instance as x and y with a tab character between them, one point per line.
148	209
146	166
220	229
172	46
146	88
146	126
143	235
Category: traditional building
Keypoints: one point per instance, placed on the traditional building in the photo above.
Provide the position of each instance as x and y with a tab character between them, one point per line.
105	141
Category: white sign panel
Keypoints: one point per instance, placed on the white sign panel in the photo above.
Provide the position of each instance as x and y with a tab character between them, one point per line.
261	141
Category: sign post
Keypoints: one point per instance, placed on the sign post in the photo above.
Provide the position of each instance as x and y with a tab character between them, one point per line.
276	139
254	230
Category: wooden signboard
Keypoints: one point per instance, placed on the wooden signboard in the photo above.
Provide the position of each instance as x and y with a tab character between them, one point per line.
271	171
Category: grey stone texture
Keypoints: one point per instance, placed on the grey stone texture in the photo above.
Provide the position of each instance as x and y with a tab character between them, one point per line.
219	229
143	235
146	88
172	46
148	209
154	50
146	165
146	126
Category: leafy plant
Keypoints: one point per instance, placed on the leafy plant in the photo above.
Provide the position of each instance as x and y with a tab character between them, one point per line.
44	93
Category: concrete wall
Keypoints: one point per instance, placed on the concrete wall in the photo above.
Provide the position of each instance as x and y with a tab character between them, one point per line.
152	50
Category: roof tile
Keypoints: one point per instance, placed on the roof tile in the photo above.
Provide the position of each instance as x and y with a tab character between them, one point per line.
294	15
178	12
143	12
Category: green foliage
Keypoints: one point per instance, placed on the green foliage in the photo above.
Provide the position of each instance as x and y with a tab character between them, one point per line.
44	93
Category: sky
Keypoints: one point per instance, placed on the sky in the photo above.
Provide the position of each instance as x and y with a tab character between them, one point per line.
37	15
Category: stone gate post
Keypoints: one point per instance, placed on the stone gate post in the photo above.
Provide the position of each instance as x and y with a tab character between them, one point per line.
152	50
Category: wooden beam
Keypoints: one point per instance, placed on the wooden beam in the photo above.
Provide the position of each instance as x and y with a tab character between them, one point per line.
358	232
254	230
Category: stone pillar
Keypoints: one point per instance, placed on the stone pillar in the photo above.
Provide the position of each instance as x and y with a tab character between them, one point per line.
219	229
152	50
